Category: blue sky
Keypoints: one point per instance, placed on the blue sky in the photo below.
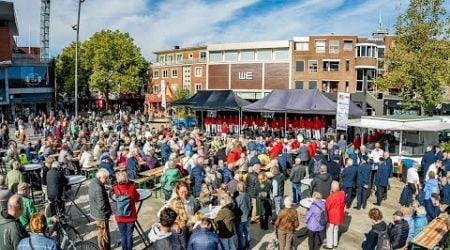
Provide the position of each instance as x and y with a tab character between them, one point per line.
161	24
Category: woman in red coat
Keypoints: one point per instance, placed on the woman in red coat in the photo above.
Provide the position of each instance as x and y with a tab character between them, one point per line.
126	224
335	205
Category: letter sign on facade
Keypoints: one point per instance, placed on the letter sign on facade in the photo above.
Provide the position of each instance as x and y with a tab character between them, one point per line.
245	75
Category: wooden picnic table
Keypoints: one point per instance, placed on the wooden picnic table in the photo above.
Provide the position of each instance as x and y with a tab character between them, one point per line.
53	156
155	172
430	236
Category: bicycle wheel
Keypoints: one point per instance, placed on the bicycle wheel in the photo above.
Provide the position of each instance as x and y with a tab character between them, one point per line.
86	245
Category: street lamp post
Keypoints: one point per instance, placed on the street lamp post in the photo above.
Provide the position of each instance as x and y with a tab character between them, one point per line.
77	28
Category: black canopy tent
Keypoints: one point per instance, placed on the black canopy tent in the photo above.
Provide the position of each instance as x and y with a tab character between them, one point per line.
216	100
299	101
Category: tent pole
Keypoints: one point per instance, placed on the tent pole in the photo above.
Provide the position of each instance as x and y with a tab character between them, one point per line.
201	114
400	143
285	124
239	121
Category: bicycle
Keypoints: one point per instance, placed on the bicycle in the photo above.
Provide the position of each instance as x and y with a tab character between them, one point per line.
66	234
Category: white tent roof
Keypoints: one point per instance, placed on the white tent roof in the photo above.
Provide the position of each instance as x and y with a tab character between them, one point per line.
433	124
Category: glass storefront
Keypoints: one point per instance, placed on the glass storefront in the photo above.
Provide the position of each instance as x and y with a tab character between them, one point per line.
28	76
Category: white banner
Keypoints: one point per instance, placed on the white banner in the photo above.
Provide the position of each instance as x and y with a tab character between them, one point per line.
343	106
163	94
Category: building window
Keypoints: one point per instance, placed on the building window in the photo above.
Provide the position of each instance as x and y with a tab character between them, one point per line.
191	55
155	89
203	55
169	60
300	66
312	84
330	66
198	86
347	65
330	86
281	54
264	55
302	46
334	46
298	84
161	60
174	73
187	85
247	55
198	71
312	65
365	79
346	86
380	52
366	51
179	58
155	74
320	46
231	56
215	57
165	73
348	45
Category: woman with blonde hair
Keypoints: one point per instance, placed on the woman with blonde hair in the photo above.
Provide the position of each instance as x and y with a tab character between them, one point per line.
126	218
37	239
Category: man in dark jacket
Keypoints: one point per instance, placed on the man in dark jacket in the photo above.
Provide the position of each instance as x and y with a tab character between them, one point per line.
197	175
398	230
381	181
362	182
322	182
56	183
315	163
297	174
285	162
349	181
251	182
203	238
427	159
334	169
11	230
161	234
100	208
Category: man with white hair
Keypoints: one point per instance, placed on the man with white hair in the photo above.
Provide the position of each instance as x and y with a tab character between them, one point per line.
100	208
11	230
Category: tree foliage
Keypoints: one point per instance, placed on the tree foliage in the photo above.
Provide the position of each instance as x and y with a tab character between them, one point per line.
418	61
109	62
182	111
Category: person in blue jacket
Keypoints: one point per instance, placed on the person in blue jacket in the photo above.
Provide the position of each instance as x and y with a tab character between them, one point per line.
197	176
427	159
349	181
381	180
362	182
432	206
445	191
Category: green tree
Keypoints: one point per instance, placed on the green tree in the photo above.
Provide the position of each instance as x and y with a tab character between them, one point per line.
180	94
65	72
418	60
116	62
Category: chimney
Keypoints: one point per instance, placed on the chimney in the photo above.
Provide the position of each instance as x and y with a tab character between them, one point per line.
176	47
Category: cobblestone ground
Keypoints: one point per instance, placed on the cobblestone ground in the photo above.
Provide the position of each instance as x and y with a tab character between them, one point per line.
352	231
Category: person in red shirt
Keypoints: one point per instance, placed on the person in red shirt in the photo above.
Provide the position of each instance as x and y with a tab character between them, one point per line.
224	130
357	142
230	123
316	127
308	127
219	123
301	126
213	122
236	124
295	144
323	126
277	149
335	206
126	223
311	151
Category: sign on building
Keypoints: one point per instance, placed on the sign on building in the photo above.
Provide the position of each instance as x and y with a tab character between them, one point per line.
343	107
245	75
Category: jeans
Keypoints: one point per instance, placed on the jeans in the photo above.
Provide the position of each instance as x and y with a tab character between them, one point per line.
296	192
126	235
228	243
277	203
243	235
361	197
332	235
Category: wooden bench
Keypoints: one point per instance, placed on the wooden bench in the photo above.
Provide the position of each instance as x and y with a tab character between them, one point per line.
141	182
432	234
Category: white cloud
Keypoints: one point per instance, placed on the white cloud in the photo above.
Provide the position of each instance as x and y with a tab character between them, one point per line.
196	22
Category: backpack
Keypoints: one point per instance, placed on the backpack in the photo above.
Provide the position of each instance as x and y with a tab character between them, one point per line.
323	215
123	204
383	243
317	164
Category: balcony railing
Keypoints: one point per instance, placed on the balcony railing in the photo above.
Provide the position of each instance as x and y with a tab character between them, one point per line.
182	62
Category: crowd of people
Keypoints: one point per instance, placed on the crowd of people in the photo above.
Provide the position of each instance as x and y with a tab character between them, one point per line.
217	183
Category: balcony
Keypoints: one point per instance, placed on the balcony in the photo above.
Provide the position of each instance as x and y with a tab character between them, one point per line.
182	62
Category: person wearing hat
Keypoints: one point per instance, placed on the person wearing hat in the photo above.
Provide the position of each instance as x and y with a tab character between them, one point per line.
381	180
398	230
286	223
